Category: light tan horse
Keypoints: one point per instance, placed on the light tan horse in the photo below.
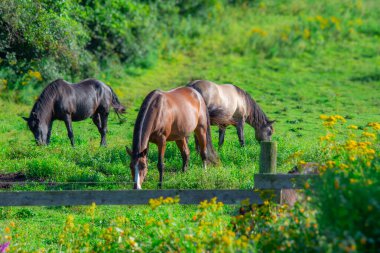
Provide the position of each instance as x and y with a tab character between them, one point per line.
229	105
170	116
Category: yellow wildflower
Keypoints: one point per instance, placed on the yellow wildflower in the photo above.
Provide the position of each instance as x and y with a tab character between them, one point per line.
256	237
353	181
226	239
306	34
352	127
334	20
359	21
245	202
370	151
262	6
330	164
4	82
35	74
328	137
350	145
329	123
322	168
341	118
259	32
374	125
369	135
322	21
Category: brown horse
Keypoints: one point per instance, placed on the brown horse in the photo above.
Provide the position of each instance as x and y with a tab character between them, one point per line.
229	105
170	116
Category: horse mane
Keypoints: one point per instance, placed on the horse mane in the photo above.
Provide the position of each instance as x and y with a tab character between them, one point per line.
46	97
142	115
256	116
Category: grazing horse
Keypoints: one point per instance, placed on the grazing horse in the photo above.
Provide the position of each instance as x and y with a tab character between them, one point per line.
229	105
72	102
170	116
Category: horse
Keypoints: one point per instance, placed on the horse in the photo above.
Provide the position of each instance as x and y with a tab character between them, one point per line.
291	196
170	116
229	105
61	100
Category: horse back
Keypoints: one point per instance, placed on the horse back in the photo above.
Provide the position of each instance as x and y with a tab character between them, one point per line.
223	101
83	99
180	111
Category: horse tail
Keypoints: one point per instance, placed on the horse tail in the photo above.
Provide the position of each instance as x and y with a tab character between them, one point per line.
119	108
211	154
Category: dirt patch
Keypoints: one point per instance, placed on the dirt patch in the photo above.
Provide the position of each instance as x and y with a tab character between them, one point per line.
7	180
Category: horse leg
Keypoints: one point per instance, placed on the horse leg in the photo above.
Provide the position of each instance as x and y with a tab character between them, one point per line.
200	136
69	128
222	131
97	122
103	129
160	164
196	143
49	133
185	153
240	132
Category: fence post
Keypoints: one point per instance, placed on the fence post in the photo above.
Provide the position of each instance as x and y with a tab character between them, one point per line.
268	157
268	161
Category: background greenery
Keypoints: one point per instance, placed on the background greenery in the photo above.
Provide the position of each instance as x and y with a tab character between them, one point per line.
298	59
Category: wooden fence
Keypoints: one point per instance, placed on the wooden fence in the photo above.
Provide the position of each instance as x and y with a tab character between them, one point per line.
267	185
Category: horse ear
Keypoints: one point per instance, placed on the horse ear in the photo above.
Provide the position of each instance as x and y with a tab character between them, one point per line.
129	152
270	122
26	119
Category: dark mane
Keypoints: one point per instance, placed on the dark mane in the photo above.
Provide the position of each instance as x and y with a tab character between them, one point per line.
47	96
142	115
256	116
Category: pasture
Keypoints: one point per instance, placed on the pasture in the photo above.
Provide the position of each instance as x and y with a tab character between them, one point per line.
297	59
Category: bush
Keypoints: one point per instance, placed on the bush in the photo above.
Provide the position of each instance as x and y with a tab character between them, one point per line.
44	40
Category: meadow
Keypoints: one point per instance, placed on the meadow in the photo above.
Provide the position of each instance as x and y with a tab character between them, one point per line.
298	59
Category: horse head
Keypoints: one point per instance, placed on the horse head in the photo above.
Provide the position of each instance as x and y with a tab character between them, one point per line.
39	129
264	132
138	166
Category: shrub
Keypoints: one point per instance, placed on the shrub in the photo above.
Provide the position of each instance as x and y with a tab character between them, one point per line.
44	40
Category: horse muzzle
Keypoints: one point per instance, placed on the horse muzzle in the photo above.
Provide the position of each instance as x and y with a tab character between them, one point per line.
137	186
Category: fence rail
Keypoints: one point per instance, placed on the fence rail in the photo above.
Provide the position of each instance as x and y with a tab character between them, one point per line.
263	182
267	184
124	197
282	181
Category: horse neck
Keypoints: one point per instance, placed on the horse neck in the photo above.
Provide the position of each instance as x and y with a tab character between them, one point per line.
144	127
43	111
256	117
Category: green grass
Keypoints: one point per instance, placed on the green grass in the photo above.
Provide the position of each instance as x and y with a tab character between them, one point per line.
337	76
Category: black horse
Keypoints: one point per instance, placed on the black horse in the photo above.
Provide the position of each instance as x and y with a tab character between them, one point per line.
72	102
